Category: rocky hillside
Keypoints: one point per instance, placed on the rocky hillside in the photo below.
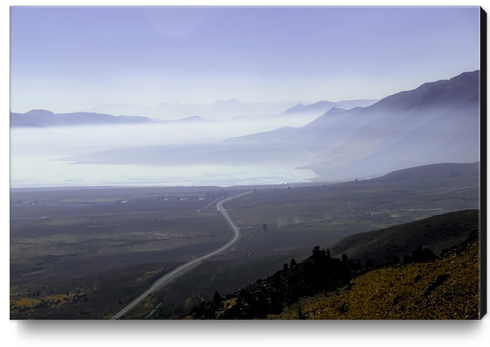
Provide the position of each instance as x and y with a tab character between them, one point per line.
419	286
446	288
270	296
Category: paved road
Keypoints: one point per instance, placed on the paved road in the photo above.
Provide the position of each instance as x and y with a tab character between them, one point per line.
190	265
351	209
202	209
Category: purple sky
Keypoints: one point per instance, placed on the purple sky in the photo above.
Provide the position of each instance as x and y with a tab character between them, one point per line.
67	59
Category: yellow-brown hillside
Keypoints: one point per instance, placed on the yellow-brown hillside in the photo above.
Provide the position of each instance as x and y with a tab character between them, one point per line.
442	289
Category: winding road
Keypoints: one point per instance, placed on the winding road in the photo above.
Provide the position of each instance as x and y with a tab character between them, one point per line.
351	209
190	265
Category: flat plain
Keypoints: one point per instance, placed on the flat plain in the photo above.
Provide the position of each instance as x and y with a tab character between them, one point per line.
86	253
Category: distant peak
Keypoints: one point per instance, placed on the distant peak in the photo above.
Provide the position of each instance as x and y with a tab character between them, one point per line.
193	119
335	109
40	112
295	108
228	101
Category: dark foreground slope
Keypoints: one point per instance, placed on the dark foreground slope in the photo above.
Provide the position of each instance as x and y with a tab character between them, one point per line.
446	288
281	295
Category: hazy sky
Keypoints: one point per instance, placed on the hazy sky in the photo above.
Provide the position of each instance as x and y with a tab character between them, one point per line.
67	59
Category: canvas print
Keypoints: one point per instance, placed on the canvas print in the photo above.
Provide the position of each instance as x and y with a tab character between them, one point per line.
223	163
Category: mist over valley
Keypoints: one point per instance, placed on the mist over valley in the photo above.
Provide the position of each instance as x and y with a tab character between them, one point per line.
39	138
435	123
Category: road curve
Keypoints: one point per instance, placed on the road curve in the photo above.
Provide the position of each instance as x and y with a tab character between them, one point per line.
351	209
190	265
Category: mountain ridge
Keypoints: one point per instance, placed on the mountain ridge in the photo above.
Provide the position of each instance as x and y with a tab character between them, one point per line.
44	118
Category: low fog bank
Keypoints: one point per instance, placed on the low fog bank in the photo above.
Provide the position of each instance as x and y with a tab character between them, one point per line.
35	154
41	172
435	123
76	140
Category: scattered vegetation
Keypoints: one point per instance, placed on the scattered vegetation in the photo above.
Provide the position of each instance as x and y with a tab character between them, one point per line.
323	287
445	288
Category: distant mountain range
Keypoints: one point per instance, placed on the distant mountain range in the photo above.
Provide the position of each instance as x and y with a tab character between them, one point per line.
219	110
43	118
323	106
224	109
437	122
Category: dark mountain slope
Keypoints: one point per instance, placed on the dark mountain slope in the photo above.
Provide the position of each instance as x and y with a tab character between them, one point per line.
436	233
431	172
437	95
446	288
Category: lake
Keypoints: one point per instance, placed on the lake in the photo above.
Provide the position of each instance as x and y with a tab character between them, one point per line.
35	152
